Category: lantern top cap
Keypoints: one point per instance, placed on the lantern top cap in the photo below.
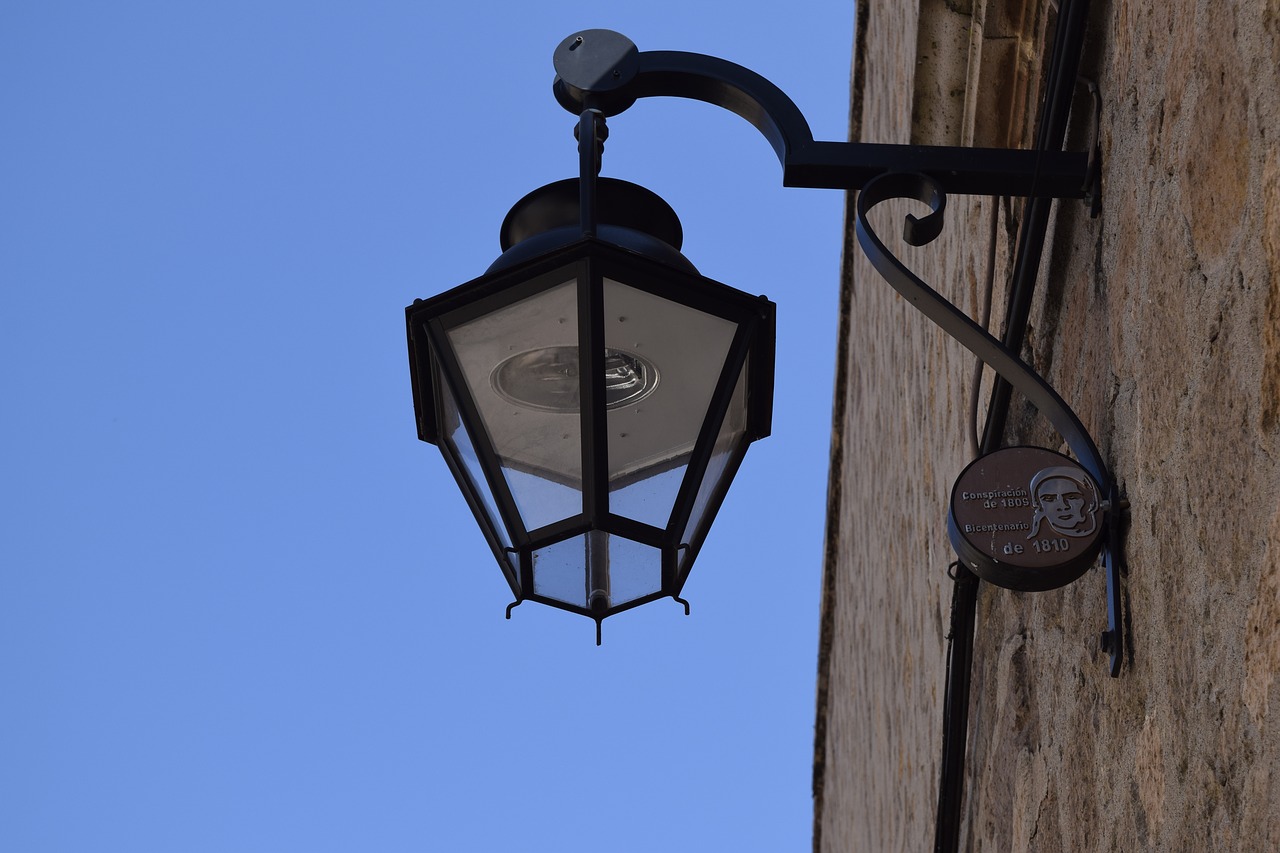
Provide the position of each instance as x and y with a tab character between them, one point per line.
629	216
621	203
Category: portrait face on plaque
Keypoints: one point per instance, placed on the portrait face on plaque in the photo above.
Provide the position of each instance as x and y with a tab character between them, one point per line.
1065	501
1026	518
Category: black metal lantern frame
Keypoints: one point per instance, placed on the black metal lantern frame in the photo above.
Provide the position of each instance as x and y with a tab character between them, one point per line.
638	516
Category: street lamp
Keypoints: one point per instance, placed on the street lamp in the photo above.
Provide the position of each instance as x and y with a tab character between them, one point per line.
592	394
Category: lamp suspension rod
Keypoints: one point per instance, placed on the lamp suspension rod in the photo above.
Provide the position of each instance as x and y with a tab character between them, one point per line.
591	133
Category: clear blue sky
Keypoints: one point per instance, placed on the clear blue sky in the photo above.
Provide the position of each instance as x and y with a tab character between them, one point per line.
242	607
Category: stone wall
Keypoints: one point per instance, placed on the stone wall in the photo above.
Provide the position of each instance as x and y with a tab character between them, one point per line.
1160	323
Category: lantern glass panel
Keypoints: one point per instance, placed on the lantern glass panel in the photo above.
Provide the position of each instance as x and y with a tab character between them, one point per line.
560	571
662	361
463	449
520	365
635	570
729	446
623	569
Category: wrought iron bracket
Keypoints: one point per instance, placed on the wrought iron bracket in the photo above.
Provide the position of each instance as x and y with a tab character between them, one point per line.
603	72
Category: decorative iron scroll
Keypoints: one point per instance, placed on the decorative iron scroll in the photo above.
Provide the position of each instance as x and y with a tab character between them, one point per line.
919	231
953	321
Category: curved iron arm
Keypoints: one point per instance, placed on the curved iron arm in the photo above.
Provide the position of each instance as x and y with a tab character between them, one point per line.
614	78
955	322
672	73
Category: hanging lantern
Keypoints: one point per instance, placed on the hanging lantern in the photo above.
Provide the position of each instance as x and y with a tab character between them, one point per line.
593	396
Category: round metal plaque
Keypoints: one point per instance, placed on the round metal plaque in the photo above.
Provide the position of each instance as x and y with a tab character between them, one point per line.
1026	518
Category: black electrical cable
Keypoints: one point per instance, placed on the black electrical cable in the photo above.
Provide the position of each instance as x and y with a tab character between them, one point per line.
988	282
1050	134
